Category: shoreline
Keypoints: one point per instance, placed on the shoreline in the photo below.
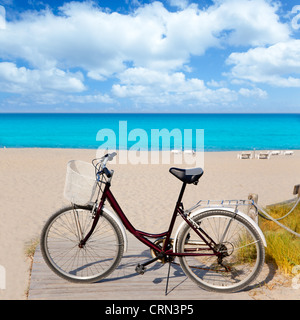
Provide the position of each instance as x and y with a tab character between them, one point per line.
32	182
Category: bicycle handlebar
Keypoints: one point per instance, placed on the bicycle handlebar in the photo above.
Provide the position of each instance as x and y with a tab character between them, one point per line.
108	157
104	159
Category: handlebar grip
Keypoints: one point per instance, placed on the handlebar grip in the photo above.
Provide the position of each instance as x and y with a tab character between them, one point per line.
107	172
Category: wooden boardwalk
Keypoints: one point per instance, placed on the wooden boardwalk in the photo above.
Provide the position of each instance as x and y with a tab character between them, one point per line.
124	283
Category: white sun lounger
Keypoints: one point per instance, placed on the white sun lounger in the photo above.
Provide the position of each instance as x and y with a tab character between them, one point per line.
245	155
275	153
189	151
176	151
263	155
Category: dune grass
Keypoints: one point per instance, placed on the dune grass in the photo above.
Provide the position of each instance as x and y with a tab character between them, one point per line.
283	247
30	248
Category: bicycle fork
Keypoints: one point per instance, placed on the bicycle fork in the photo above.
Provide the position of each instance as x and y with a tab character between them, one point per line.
96	219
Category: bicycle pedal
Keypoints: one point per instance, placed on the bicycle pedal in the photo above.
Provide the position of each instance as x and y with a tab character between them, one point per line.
140	269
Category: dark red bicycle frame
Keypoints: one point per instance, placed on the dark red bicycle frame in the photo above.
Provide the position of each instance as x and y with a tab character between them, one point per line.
141	235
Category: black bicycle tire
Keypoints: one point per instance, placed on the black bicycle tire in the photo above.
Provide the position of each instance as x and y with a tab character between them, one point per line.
249	226
45	253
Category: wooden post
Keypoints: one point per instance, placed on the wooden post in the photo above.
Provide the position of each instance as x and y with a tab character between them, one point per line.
252	212
297	190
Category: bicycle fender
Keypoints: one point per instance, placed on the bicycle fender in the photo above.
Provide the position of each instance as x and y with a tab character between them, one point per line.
242	214
120	224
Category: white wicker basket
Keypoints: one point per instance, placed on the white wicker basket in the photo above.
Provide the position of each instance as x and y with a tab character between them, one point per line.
80	185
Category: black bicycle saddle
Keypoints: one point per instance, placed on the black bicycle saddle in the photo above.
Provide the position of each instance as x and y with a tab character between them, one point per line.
187	175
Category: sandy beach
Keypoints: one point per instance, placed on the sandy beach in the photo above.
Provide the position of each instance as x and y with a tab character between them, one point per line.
32	182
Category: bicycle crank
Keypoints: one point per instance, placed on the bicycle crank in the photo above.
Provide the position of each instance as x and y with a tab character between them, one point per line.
160	243
141	268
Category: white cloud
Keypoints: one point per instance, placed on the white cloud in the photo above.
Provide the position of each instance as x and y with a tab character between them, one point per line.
90	98
20	80
151	86
248	22
272	65
101	43
52	86
216	84
148	50
255	92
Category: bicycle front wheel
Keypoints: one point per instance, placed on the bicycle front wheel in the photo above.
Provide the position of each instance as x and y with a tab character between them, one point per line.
239	248
92	262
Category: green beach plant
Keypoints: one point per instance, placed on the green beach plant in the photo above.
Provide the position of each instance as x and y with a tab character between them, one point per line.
283	247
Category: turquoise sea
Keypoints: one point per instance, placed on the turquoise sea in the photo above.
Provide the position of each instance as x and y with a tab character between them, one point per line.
222	132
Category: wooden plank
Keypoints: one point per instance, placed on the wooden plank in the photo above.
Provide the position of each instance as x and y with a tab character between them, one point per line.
124	283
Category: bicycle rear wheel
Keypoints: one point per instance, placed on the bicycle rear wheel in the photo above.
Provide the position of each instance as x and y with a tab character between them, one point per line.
60	248
240	248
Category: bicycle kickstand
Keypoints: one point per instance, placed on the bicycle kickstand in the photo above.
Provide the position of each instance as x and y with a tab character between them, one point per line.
166	291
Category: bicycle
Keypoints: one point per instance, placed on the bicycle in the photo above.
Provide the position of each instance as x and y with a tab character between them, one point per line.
220	249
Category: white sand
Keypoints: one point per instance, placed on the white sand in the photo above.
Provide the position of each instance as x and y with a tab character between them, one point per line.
32	181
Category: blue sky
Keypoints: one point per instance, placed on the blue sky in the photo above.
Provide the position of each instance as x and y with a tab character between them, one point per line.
150	56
